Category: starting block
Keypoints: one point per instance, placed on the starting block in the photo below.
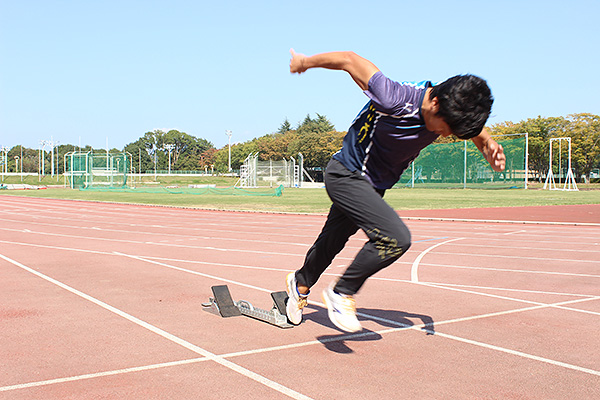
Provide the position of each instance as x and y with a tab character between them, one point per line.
222	304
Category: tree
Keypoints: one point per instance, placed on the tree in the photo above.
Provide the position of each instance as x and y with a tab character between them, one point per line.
276	146
285	127
317	148
584	130
142	160
207	158
540	131
239	152
150	150
319	125
187	151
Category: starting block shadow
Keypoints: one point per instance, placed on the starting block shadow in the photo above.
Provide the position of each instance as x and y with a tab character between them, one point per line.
223	304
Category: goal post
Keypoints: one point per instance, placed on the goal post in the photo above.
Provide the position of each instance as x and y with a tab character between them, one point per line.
569	178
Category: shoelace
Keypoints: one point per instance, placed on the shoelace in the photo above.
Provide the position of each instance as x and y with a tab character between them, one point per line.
348	303
302	302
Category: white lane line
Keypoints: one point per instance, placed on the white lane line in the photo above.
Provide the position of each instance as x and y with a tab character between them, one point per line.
500	221
414	272
518	257
338	258
193	272
428	328
429	284
401	327
196	349
512	233
521	271
521	354
425	326
97	239
501	289
101	374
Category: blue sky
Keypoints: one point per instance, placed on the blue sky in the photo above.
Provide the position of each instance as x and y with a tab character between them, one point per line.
89	71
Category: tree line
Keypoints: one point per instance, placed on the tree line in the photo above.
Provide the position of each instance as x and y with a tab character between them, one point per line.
317	140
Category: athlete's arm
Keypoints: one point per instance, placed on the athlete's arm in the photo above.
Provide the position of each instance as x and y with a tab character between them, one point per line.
491	150
360	69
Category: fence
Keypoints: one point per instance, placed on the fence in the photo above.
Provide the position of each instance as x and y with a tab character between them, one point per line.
461	165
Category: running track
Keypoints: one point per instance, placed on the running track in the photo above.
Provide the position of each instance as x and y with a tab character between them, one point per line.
103	301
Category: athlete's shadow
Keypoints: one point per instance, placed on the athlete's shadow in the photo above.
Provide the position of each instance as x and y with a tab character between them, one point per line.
399	319
336	342
389	318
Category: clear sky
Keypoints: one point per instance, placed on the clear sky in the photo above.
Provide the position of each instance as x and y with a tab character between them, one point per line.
88	71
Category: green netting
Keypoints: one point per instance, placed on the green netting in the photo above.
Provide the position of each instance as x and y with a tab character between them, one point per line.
230	191
97	169
461	165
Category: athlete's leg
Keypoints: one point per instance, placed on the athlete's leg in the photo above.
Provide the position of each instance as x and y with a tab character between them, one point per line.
332	239
388	236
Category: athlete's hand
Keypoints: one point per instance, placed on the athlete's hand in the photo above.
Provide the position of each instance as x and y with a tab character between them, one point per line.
494	154
297	62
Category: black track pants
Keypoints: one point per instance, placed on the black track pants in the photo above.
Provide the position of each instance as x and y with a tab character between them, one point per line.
356	204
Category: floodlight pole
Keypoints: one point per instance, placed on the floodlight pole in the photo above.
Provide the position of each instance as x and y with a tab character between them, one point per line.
51	156
54	144
4	150
169	147
43	144
16	163
228	133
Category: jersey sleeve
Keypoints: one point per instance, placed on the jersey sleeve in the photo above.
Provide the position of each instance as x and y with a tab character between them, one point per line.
389	95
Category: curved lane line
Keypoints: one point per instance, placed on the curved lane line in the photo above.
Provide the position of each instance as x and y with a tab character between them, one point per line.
414	272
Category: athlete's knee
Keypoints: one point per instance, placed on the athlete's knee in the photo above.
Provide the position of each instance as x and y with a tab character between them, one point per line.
403	239
391	245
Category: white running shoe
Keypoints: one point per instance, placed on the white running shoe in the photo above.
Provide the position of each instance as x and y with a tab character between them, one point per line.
342	310
296	301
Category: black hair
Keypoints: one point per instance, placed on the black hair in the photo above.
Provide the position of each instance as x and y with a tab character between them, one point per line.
465	103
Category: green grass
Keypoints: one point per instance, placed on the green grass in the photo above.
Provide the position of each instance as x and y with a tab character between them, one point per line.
316	200
149	179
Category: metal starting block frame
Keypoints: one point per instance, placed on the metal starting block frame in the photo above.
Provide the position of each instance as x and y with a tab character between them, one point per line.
222	304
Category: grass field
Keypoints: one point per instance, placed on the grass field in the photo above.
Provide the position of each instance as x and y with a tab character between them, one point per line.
316	200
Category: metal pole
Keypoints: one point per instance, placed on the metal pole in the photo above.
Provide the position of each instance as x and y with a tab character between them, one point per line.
4	161
169	147
228	133
559	160
526	159
465	169
42	157
57	159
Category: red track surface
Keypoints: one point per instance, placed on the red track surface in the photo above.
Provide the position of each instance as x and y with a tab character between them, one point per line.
103	301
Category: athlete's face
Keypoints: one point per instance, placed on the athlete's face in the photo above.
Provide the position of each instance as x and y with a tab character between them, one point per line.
433	122
437	125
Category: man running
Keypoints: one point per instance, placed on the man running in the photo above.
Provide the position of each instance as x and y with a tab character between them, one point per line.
400	119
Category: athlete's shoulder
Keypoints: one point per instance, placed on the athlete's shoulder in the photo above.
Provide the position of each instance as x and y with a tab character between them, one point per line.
392	96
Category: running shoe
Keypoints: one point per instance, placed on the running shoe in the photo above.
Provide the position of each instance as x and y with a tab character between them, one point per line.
341	309
296	301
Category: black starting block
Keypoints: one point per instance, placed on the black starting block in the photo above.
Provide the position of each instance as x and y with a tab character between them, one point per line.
222	304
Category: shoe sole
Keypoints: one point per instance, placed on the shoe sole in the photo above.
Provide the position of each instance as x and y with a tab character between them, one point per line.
331	314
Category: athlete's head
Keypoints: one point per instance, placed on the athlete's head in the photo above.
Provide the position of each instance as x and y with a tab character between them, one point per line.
464	102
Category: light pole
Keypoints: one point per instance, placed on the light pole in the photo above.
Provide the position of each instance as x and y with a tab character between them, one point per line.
43	144
51	143
169	147
4	161
228	133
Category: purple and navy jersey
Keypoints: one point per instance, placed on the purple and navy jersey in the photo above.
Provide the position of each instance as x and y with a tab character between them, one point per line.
388	133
